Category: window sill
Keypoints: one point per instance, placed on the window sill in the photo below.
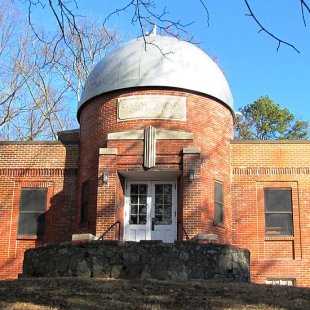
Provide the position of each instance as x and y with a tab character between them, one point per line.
30	238
220	225
84	224
279	238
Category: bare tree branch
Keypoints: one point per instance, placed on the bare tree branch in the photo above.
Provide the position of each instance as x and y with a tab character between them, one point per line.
263	29
8	98
65	20
304	5
96	44
207	11
146	15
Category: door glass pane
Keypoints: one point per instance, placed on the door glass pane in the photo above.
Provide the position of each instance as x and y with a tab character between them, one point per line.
143	189
138	204
142	219
142	209
168	199
158	213
134	199
134	209
167	215
168	189
133	219
134	188
163	204
158	189
159	199
142	200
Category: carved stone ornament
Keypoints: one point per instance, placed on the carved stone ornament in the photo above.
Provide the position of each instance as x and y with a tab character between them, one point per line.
149	147
151	107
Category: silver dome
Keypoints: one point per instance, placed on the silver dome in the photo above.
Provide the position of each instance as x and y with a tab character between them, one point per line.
165	61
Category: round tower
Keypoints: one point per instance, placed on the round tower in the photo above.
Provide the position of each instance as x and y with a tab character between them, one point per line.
156	120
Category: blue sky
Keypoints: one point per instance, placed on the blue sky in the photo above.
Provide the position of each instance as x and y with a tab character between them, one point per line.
249	60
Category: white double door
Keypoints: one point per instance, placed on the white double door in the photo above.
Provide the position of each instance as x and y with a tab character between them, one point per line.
150	211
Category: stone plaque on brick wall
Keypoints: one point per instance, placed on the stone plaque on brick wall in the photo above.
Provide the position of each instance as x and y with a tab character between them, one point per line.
151	107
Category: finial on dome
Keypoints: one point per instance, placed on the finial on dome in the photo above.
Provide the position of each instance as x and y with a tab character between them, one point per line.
153	33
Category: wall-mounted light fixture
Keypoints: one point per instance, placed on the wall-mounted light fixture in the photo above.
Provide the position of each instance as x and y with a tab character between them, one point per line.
191	175
105	176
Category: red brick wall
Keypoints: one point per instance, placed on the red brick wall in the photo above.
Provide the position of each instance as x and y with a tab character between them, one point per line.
35	165
209	121
271	164
244	168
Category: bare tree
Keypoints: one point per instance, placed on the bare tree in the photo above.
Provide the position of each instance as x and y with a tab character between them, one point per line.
44	114
95	43
40	85
11	81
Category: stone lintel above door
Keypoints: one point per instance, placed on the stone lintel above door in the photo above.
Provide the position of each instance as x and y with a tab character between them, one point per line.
150	135
161	134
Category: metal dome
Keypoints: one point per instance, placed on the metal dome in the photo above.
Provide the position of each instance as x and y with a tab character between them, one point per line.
165	61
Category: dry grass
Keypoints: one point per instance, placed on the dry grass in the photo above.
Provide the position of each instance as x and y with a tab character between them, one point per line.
74	293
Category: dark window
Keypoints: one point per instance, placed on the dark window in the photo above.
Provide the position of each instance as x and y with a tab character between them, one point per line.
32	212
218	203
278	212
85	199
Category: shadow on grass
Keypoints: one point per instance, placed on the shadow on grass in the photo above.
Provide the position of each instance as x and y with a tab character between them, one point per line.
77	293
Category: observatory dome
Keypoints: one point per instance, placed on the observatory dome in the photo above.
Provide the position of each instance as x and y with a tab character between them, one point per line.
162	62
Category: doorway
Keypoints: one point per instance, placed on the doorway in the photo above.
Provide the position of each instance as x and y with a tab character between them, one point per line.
150	211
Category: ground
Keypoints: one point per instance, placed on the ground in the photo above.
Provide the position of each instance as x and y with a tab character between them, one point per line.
74	293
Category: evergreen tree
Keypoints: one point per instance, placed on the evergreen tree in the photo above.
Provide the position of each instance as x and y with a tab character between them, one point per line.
266	120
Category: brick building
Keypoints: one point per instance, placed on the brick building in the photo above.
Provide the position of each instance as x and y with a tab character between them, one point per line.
154	159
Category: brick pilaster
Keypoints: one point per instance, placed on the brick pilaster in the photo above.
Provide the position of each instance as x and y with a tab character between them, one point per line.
192	191
106	194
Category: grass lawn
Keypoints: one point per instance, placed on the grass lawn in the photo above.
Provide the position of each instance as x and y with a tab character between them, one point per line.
78	293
